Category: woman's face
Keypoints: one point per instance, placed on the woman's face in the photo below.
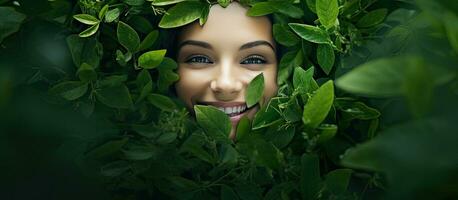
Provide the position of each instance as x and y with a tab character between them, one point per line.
216	62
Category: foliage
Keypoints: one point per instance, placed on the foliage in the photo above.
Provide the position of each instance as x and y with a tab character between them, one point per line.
365	107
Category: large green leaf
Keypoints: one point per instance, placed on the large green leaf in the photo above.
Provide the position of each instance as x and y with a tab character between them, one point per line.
115	96
311	33
128	37
284	35
255	90
181	14
215	122
10	21
318	106
327	11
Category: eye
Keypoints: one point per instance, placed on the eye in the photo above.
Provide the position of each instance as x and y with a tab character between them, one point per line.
199	59
254	60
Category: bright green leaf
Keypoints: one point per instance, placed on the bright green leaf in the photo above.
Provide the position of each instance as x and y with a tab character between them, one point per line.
181	14
151	59
164	2
311	33
327	11
255	90
86	19
318	106
261	9
325	56
90	31
128	37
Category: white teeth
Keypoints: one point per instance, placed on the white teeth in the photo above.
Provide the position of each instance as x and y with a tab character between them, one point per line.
228	110
232	110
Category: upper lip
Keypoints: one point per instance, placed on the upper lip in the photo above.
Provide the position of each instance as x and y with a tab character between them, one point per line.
222	104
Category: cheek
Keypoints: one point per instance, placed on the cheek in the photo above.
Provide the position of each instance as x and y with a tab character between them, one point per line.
190	85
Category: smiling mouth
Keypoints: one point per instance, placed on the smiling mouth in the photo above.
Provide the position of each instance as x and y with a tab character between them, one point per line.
231	109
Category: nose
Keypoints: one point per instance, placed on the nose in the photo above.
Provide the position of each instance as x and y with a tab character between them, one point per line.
227	84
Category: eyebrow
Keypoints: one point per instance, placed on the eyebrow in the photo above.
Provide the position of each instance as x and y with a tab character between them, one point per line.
208	46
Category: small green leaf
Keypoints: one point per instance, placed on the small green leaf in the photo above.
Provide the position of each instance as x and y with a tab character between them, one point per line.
86	73
224	3
115	96
284	35
86	19
215	122
311	33
108	148
149	40
318	106
302	79
204	17
325	56
112	15
70	90
151	59
115	168
181	14
167	138
255	90
128	37
90	31
287	8
194	145
139	152
326	132
372	18
103	11
327	11
162	102
164	2
261	9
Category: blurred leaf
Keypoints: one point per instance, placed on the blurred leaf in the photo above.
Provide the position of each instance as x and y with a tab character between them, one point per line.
112	15
10	21
281	137
181	14
268	155
86	73
108	148
287	64
151	59
287	8
372	18
194	145
228	193
224	3
326	57
167	138
139	152
318	106
337	181
284	35
228	154
327	11
311	33
254	91
326	132
451	26
70	90
115	168
310	180
115	96
215	122
128	37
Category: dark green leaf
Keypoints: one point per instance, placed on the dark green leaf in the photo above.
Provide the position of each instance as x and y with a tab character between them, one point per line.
115	168
108	148
302	79
103	11
228	193
255	90
70	90
337	180
128	37
10	21
115	96
162	102
318	106
243	128
215	122
311	33
86	73
139	152
181	14
372	18
167	138
224	3
326	132
327	11
228	154
151	59
284	35
310	176
326	57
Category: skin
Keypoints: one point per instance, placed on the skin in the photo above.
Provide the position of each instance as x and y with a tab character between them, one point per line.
216	62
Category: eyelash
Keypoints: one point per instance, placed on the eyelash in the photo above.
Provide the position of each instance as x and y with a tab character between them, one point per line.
250	60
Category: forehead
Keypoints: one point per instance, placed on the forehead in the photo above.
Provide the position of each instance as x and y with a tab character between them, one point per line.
229	26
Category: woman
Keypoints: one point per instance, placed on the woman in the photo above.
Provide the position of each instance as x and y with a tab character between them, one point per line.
217	61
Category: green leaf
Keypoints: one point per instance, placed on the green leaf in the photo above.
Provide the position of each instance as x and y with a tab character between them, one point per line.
90	31
86	19
162	102
204	17
287	8
325	56
243	128
167	138
10	21
451	27
224	3
151	59
139	152
284	35
228	154
372	18
194	145
134	2
103	11
149	40
311	33
287	64
281	137
261	9
115	96
356	110
164	2
215	122
86	73
108	148
112	15
327	11
310	176
181	14
128	37
337	181
70	90
318	106
302	79
267	115
268	155
326	132
255	90
115	168
228	193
